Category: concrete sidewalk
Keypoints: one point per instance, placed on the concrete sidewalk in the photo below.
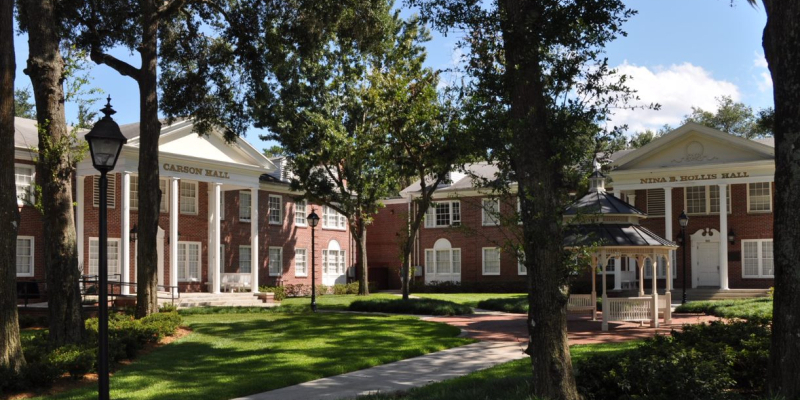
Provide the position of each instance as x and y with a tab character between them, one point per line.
401	375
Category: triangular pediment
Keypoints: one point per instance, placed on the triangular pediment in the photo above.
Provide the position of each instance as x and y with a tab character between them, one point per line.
694	145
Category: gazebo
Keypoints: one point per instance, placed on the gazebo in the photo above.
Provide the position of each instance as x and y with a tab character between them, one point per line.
611	226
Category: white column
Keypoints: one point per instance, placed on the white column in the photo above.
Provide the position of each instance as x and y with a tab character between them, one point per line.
79	219
593	269
618	273
668	226
603	262
723	240
668	294
632	199
640	263
126	231
173	231
254	239
211	234
217	188
654	263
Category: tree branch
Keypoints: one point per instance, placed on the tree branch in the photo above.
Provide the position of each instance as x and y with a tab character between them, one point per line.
118	65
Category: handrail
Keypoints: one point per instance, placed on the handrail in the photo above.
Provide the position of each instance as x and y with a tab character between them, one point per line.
92	279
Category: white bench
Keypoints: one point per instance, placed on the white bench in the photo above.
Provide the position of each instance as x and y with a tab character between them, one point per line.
582	303
233	281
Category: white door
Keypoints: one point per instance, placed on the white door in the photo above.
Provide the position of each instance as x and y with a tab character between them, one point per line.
333	264
707	264
160	250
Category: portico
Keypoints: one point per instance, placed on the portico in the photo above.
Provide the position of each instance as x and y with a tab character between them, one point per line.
190	164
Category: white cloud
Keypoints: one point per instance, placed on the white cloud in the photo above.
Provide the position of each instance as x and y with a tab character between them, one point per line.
763	79
759	61
677	88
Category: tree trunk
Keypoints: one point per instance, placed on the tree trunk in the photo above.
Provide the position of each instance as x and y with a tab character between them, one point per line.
360	236
782	50
11	357
417	216
149	192
54	172
540	184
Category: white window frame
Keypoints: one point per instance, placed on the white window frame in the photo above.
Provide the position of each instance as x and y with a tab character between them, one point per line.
271	260
134	191
111	192
32	256
304	256
245	213
339	267
708	200
431	263
31	192
275	219
300	207
521	268
487	218
483	261
245	250
112	273
661	273
431	220
769	190
185	267
163	185
194	204
760	257
330	215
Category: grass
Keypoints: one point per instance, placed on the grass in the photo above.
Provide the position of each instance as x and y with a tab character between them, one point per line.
338	302
509	305
230	355
751	309
469	299
508	381
411	306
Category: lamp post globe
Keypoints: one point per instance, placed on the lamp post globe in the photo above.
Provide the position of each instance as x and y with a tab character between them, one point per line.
105	144
313	220
683	220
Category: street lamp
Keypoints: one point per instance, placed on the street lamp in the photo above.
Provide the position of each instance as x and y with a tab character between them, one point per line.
105	143
684	221
313	220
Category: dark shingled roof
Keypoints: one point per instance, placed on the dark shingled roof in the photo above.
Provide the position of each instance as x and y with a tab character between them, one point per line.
601	202
612	235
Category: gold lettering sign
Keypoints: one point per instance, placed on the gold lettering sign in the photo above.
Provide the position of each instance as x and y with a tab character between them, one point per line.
196	171
695	177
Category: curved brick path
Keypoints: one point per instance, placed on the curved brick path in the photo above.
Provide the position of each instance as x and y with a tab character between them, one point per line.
503	327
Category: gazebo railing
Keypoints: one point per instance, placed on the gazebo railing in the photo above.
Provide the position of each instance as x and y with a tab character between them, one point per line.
628	309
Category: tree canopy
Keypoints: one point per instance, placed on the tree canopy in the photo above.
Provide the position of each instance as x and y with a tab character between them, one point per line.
735	118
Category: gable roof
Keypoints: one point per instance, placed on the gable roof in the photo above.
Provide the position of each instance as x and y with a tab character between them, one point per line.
463	180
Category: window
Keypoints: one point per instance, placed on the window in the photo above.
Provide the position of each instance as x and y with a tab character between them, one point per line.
113	258
275	261
300	262
24	178
244	260
24	255
333	261
442	214
490	211
189	261
521	268
332	219
188	199
163	186
704	199
491	261
442	261
759	197
300	213
244	206
655	202
757	259
275	210
134	192
111	192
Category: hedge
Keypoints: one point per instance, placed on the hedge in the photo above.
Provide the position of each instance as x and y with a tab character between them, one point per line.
410	306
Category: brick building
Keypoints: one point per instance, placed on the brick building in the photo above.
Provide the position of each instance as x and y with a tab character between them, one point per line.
225	210
723	182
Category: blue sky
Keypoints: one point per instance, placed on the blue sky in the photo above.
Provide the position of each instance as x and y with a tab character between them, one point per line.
680	53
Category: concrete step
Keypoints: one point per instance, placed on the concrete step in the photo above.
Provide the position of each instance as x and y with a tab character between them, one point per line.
225	304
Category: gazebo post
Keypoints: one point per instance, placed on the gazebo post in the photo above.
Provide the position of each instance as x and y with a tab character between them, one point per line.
640	265
654	263
603	262
668	293
594	287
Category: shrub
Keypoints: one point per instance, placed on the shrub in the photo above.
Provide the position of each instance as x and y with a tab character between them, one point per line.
758	309
410	306
163	324
340	289
279	291
40	374
469	287
168	307
517	306
352	287
76	360
32	321
322	289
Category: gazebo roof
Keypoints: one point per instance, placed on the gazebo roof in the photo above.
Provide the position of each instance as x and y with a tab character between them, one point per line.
600	202
613	235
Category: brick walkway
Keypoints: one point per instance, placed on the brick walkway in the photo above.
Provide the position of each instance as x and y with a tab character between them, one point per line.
502	327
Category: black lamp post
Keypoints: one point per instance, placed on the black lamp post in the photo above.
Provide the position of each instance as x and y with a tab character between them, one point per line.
105	143
313	220
683	220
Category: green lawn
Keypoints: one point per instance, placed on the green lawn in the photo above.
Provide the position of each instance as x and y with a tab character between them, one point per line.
469	299
330	301
759	308
509	381
230	355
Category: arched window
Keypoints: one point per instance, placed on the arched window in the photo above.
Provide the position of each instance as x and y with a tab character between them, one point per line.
333	259
442	262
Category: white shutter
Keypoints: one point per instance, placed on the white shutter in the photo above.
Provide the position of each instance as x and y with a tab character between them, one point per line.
111	192
655	202
429	265
456	261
